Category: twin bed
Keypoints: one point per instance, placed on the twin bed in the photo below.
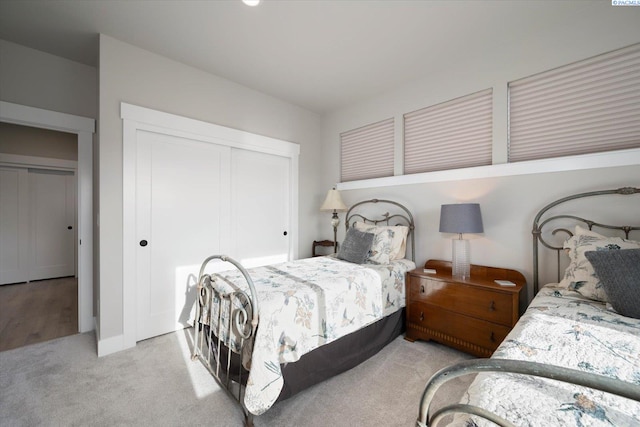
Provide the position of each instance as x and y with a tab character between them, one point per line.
571	360
270	332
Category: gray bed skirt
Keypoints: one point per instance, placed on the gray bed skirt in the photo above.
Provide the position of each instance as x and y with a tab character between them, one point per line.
330	359
340	355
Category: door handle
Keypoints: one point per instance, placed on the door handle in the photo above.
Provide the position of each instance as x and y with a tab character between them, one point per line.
143	243
69	228
285	233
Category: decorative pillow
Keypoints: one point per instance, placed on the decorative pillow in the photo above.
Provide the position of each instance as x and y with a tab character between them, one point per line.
619	272
356	246
389	244
579	275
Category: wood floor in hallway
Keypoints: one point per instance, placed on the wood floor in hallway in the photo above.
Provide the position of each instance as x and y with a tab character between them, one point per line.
38	311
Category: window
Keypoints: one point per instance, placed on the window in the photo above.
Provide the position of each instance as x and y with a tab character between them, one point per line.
452	135
586	107
367	152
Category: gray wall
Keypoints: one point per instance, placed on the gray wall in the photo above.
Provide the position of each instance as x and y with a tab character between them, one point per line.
38	79
28	141
142	78
508	203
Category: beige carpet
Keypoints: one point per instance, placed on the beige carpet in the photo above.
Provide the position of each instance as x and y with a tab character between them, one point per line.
64	383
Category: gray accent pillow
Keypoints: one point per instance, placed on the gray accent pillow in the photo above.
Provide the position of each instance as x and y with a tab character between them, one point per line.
619	272
356	246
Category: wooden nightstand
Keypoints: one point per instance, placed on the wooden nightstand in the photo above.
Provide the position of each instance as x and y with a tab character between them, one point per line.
472	315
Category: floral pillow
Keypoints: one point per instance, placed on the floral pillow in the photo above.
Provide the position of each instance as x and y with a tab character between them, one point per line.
580	275
389	242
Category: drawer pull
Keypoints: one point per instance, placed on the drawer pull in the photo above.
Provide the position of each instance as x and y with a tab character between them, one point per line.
422	316
422	289
492	337
492	306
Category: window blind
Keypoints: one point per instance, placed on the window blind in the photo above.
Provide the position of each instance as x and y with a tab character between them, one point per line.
585	107
367	152
452	135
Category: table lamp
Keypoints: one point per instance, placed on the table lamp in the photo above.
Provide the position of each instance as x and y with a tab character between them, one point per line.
461	218
334	203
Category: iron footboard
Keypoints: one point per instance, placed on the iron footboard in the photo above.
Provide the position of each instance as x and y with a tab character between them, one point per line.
224	330
474	366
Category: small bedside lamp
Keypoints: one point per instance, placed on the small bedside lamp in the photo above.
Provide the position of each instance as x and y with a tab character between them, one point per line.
334	203
461	218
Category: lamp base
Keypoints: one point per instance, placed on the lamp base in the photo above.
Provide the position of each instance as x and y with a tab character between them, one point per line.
460	263
335	221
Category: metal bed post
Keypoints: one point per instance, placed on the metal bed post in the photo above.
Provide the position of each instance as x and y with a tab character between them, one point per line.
572	376
537	226
237	324
386	218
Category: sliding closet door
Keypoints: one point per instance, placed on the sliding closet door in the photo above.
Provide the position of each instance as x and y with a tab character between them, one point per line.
37	224
52	211
182	216
14	225
261	207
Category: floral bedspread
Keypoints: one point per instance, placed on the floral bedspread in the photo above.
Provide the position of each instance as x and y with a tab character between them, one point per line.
306	303
562	328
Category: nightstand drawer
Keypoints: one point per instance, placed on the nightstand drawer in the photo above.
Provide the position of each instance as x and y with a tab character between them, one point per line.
474	301
453	328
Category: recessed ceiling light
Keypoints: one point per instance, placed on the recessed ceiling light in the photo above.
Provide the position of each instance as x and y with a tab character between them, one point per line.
251	2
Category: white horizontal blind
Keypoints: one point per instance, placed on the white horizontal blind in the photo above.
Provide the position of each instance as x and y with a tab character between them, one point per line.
452	135
367	152
586	107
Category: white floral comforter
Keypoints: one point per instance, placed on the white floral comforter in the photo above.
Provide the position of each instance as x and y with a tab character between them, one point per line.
562	328
306	303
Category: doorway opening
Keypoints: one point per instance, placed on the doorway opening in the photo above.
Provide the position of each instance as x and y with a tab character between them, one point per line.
83	129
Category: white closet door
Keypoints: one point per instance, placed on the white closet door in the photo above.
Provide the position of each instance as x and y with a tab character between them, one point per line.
52	224
261	207
182	216
14	225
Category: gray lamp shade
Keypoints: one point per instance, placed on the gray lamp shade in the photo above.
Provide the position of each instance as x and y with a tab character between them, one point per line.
461	218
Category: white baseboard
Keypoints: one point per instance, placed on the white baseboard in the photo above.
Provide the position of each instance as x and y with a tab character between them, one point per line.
110	345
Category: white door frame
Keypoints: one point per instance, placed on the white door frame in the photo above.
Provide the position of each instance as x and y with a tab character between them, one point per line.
84	128
137	118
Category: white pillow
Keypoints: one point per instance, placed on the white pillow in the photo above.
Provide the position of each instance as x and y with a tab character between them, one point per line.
389	243
580	275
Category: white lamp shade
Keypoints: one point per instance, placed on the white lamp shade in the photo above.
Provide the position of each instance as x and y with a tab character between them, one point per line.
333	202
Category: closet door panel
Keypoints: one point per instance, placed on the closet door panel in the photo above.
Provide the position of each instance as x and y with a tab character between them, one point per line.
52	229
14	225
260	207
182	217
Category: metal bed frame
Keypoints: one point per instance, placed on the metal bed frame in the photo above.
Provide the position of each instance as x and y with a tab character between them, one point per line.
587	379
385	218
243	317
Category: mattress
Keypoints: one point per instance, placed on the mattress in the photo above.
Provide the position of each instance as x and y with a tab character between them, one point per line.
562	328
306	304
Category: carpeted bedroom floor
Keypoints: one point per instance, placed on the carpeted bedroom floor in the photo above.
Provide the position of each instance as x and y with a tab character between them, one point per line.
63	383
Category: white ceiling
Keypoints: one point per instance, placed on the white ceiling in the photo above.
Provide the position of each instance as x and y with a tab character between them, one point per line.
320	55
